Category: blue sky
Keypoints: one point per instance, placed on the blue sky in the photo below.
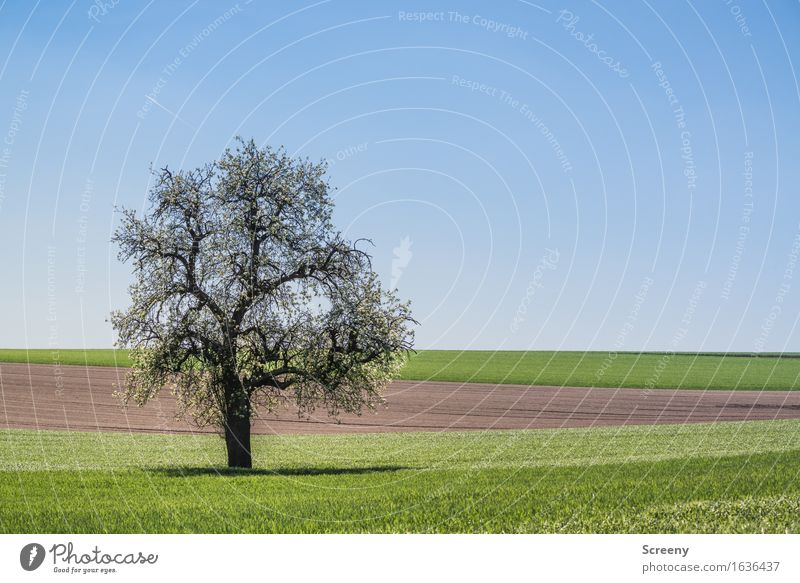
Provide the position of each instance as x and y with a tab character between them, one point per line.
571	175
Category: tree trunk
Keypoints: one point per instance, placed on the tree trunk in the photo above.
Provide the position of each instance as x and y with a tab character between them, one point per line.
237	440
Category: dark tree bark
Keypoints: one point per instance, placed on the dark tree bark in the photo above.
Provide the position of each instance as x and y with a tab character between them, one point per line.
237	424
237	441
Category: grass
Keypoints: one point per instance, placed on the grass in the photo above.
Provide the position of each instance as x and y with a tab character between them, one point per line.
580	369
603	369
71	356
726	477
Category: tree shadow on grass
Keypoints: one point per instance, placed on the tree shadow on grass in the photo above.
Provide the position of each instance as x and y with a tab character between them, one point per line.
239	472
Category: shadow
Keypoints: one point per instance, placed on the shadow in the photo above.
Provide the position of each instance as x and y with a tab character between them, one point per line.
769	406
239	472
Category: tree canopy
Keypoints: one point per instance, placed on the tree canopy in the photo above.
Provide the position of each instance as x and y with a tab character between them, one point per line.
245	296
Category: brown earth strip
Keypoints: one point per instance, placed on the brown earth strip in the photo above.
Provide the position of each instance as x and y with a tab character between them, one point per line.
80	398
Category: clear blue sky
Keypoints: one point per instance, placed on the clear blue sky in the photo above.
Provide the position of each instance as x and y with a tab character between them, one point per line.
572	175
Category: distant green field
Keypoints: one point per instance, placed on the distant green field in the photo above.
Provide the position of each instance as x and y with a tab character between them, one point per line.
580	369
600	369
90	357
727	477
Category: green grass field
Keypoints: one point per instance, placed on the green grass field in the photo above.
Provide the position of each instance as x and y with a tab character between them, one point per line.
69	356
727	477
599	369
580	369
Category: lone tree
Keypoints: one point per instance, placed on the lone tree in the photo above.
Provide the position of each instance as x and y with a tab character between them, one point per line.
245	297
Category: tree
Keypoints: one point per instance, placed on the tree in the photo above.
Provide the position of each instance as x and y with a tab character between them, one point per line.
246	297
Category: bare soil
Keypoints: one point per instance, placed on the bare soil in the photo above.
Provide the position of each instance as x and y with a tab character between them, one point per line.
80	398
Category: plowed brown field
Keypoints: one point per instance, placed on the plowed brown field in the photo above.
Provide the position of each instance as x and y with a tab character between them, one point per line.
80	398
